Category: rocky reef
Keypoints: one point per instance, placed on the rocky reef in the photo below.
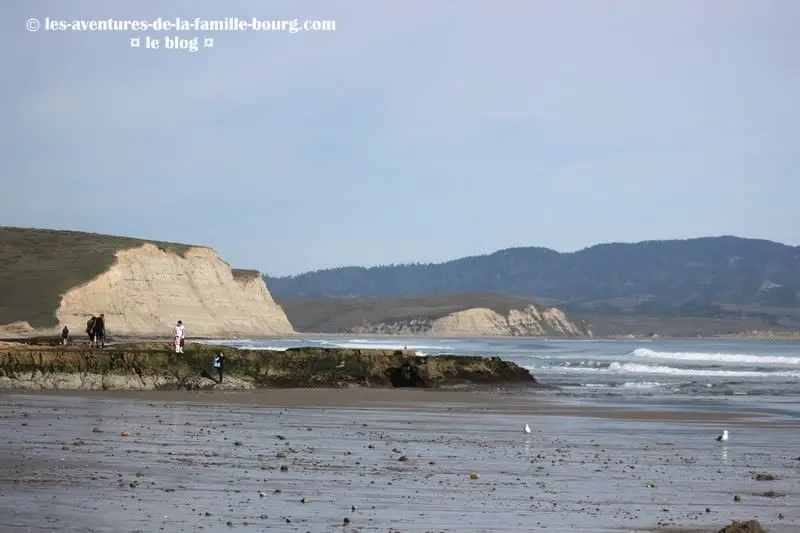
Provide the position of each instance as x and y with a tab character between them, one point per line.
154	366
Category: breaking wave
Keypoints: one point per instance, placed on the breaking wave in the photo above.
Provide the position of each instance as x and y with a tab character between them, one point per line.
717	357
264	348
636	368
626	385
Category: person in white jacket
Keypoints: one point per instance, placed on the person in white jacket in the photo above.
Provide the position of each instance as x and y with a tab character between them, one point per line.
179	337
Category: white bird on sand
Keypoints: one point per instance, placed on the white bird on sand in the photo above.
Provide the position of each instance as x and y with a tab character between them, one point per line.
724	436
527	429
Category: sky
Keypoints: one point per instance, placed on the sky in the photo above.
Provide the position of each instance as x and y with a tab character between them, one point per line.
417	131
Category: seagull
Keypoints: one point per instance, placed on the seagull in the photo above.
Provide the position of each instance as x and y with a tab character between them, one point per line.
527	429
724	436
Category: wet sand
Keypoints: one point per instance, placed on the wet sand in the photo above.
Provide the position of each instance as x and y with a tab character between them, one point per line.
306	460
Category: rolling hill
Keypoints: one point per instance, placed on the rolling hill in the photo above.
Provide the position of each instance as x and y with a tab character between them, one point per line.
726	277
651	275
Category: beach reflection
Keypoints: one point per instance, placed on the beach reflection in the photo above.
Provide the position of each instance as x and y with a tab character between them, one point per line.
723	454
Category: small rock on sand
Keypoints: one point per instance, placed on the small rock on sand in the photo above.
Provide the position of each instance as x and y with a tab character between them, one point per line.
771	494
750	526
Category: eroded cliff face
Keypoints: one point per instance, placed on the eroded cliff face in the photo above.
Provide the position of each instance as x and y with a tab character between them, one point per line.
479	321
482	322
148	289
551	321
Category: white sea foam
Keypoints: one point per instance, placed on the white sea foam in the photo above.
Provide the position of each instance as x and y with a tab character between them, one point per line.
264	348
359	344
626	385
635	368
641	384
717	357
356	344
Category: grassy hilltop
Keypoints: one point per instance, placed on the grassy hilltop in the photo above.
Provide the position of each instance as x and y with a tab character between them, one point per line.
37	266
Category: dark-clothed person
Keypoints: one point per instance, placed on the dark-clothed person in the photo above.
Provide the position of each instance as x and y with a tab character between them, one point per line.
219	365
90	329
100	331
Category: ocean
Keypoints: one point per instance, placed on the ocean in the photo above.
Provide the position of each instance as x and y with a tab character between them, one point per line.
696	367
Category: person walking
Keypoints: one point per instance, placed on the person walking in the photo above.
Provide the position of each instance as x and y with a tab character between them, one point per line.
219	365
90	330
179	334
65	336
100	331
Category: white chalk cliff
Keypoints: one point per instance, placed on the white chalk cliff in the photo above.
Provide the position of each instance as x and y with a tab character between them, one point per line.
529	322
483	322
147	290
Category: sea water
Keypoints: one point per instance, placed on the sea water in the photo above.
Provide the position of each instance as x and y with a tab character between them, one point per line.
689	368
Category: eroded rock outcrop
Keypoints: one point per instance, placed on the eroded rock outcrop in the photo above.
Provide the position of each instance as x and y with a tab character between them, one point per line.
148	289
550	321
749	526
153	366
16	327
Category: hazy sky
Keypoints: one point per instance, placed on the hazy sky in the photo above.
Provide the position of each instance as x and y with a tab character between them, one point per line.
417	131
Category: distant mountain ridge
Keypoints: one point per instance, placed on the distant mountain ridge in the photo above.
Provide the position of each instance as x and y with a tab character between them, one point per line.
698	276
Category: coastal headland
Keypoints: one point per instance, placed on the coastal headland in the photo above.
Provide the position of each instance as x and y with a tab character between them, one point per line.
52	278
154	366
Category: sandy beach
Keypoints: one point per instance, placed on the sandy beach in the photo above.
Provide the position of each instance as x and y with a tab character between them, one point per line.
384	460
